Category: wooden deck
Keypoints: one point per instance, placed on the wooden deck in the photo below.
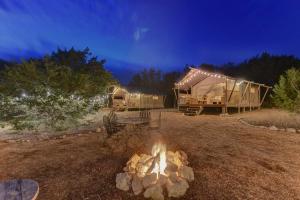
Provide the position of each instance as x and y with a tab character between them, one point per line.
195	109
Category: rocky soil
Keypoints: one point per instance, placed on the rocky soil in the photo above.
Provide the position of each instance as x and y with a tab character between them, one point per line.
230	160
142	174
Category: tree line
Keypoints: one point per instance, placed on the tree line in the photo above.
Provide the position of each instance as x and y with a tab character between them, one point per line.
263	68
78	72
52	92
65	71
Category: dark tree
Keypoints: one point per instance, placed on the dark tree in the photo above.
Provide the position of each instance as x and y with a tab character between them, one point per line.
69	71
287	91
208	67
167	86
147	81
264	68
152	81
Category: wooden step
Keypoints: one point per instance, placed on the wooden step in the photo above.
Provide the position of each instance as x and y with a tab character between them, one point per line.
190	112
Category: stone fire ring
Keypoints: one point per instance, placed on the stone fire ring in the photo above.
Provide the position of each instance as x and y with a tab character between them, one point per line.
139	175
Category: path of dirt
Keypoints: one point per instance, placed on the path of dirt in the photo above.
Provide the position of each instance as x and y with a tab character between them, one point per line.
230	161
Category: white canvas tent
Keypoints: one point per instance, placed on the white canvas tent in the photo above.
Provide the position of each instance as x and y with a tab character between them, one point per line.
199	89
121	99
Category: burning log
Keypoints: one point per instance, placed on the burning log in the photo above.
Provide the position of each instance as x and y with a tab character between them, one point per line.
131	164
153	164
152	173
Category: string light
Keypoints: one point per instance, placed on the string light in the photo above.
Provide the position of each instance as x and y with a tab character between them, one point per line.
23	94
196	72
48	93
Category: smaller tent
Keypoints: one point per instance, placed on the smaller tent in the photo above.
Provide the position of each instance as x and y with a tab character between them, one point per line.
200	89
121	99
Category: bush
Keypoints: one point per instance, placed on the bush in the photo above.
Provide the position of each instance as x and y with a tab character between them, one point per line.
287	91
53	92
46	110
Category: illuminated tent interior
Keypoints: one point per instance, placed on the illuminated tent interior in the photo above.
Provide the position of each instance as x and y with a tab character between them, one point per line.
199	88
122	99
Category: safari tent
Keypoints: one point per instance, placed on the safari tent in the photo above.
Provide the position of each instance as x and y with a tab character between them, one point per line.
199	89
122	99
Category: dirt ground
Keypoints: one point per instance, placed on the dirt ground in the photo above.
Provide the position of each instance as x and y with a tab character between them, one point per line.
275	117
230	160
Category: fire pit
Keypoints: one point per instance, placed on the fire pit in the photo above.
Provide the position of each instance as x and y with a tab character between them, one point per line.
152	174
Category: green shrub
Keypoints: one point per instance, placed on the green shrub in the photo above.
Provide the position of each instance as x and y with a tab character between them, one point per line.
46	110
287	91
53	92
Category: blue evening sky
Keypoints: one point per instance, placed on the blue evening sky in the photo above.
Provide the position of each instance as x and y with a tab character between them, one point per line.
163	33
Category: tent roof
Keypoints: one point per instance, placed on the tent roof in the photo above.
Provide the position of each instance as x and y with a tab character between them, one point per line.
195	76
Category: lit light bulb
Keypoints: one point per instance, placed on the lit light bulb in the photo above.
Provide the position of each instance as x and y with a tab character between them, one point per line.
23	94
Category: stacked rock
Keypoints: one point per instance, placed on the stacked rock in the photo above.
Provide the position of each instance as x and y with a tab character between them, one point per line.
139	176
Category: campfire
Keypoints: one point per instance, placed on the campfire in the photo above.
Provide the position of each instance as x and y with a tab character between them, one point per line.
153	174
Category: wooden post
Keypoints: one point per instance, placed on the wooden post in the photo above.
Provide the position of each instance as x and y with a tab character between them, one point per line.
245	90
264	96
178	96
258	97
176	99
140	102
250	97
226	99
239	104
243	95
231	91
223	109
128	100
178	92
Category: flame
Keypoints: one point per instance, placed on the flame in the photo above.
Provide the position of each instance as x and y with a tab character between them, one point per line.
161	163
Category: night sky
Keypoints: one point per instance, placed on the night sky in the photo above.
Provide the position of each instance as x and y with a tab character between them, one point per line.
163	33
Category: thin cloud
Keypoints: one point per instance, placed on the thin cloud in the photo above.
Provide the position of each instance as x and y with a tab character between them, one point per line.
139	33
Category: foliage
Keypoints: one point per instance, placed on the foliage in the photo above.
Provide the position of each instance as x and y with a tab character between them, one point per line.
287	91
263	68
147	81
167	85
152	81
52	92
45	110
70	71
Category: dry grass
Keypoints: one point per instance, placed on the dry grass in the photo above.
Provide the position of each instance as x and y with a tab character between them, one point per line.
269	117
230	161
